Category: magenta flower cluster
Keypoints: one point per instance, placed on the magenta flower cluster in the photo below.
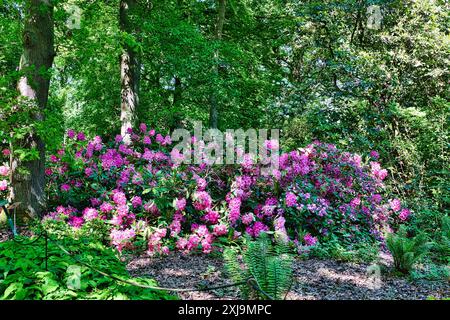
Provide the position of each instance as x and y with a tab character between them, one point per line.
140	192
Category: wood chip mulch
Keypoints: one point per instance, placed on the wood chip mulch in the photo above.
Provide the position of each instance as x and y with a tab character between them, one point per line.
314	279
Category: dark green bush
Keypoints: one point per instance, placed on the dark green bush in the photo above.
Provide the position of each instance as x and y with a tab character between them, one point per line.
405	250
23	275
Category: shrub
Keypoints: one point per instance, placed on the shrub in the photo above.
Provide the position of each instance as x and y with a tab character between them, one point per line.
144	195
360	252
23	275
432	272
270	265
442	244
406	251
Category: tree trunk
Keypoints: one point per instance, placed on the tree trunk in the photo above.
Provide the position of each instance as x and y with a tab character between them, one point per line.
177	114
213	111
37	58
129	71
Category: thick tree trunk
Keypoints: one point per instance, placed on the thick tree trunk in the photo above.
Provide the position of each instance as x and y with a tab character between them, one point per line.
213	111
38	37
129	72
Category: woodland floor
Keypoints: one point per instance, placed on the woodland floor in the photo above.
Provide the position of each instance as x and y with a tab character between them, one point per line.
314	279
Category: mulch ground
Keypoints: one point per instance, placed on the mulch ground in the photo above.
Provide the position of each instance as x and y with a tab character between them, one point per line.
314	279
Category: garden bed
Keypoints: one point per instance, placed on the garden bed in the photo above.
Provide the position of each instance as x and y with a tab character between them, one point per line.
315	279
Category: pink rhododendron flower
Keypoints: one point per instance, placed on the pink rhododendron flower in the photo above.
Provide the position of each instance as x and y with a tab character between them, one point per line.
180	204
119	198
395	205
310	240
374	154
355	202
88	172
220	230
201	184
143	127
76	222
248	218
202	200
272	144
181	244
106	207
4	170
136	201
256	229
377	171
118	138
90	214
81	136
291	199
71	133
147	140
404	214
165	250
175	228
212	217
159	138
3	185
121	238
247	161
151	207
65	187
235	210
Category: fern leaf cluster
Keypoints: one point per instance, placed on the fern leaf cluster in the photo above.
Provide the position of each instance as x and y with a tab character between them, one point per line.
406	251
268	264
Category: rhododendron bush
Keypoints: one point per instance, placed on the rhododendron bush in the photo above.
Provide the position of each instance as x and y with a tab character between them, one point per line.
139	193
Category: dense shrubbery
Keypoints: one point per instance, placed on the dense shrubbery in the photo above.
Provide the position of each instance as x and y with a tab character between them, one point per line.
318	193
23	274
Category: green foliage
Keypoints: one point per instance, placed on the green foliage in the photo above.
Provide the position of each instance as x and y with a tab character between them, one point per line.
360	252
94	230
405	250
23	274
269	264
442	244
432	272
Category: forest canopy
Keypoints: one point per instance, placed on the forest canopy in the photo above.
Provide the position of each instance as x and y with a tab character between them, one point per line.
90	92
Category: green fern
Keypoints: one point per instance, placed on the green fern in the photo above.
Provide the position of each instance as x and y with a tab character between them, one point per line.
406	251
268	266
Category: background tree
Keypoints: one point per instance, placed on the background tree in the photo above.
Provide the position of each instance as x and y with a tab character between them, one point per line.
27	187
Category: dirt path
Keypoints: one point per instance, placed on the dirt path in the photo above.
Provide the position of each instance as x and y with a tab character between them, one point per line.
315	279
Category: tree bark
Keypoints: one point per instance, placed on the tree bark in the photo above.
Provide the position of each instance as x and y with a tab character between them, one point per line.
38	37
213	111
177	96
129	71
